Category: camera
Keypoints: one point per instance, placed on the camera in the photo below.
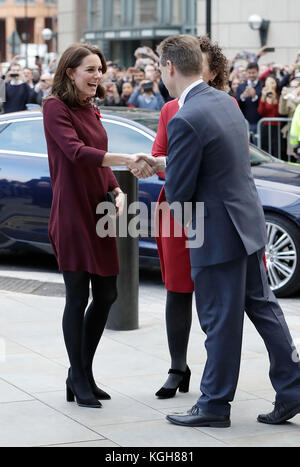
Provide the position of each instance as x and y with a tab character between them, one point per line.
148	87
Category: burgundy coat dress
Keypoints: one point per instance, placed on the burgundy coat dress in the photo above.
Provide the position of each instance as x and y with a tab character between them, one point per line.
77	143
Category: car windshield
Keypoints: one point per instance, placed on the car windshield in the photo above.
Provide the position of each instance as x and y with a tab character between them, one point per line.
258	157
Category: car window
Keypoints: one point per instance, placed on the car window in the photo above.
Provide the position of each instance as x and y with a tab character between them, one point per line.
24	136
123	138
257	156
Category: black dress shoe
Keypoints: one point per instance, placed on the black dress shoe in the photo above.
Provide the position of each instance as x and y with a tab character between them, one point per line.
183	385
282	412
196	417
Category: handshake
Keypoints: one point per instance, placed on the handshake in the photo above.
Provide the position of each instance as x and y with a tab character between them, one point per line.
144	165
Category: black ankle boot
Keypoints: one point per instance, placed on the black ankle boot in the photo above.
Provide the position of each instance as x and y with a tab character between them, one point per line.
99	393
183	386
71	394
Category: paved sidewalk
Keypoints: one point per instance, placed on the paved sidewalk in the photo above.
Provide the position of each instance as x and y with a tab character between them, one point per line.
131	366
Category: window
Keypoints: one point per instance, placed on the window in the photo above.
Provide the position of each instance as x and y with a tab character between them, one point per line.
96	14
24	136
146	11
117	13
176	11
124	138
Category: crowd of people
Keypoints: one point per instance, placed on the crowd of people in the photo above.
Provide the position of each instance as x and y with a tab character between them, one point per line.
26	87
262	91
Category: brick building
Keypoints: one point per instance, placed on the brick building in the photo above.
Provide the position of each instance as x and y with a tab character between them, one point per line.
27	18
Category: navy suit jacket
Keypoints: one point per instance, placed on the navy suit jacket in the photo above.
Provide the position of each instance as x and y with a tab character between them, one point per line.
208	161
248	107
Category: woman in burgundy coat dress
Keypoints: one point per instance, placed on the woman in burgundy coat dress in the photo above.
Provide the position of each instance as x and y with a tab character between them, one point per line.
81	177
174	256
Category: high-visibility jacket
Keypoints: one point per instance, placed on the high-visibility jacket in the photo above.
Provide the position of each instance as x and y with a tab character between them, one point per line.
295	128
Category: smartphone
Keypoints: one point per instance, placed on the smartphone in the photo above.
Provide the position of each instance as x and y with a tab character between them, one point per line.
269	49
142	51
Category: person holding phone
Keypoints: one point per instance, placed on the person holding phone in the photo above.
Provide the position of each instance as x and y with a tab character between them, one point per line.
268	107
112	97
18	93
248	96
81	178
147	96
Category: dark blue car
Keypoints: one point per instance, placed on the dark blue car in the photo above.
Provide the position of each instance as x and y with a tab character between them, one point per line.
25	190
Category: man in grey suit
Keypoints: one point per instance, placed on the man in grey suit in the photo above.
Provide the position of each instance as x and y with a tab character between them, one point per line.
208	161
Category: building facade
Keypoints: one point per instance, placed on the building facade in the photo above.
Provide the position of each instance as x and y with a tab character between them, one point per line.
22	21
72	22
120	26
230	27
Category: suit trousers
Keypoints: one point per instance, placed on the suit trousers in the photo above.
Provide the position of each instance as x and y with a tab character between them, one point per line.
223	293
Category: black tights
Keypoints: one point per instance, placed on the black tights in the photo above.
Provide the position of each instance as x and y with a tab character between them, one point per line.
178	320
83	329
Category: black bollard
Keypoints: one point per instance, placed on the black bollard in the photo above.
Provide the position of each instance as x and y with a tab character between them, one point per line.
123	315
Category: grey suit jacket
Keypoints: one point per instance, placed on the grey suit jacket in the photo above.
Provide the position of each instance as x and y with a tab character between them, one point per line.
208	161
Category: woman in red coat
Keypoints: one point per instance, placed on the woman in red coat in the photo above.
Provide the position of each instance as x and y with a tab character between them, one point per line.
173	254
81	177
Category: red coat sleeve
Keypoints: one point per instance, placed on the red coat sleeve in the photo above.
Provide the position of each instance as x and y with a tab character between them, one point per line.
58	124
160	145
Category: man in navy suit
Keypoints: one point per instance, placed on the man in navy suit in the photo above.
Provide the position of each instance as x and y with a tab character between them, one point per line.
208	161
248	96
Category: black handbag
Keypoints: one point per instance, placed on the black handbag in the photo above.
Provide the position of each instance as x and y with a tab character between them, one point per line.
110	198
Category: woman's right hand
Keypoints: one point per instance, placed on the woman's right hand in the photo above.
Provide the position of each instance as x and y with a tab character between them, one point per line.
142	165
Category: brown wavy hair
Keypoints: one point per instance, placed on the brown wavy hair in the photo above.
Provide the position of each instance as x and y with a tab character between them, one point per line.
217	62
72	57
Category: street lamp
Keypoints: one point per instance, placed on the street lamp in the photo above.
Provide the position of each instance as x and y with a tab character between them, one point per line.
48	35
208	18
257	23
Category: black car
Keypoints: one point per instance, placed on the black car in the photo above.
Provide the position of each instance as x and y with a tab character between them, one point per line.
25	190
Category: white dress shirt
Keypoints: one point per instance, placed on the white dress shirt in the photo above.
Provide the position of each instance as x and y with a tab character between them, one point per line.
187	90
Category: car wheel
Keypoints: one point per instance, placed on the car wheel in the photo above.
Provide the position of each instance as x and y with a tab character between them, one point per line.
283	255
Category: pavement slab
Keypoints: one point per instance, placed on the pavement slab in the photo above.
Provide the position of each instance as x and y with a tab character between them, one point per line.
131	366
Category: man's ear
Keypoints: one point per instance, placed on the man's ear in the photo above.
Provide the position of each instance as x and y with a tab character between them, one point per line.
171	68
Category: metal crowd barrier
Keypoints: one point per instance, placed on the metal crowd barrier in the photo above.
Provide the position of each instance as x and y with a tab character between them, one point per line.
272	135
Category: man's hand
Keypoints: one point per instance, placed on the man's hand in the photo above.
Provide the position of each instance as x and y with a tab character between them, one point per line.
141	166
252	92
246	93
157	164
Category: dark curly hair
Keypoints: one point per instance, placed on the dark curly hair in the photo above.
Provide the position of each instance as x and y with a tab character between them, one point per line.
217	62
